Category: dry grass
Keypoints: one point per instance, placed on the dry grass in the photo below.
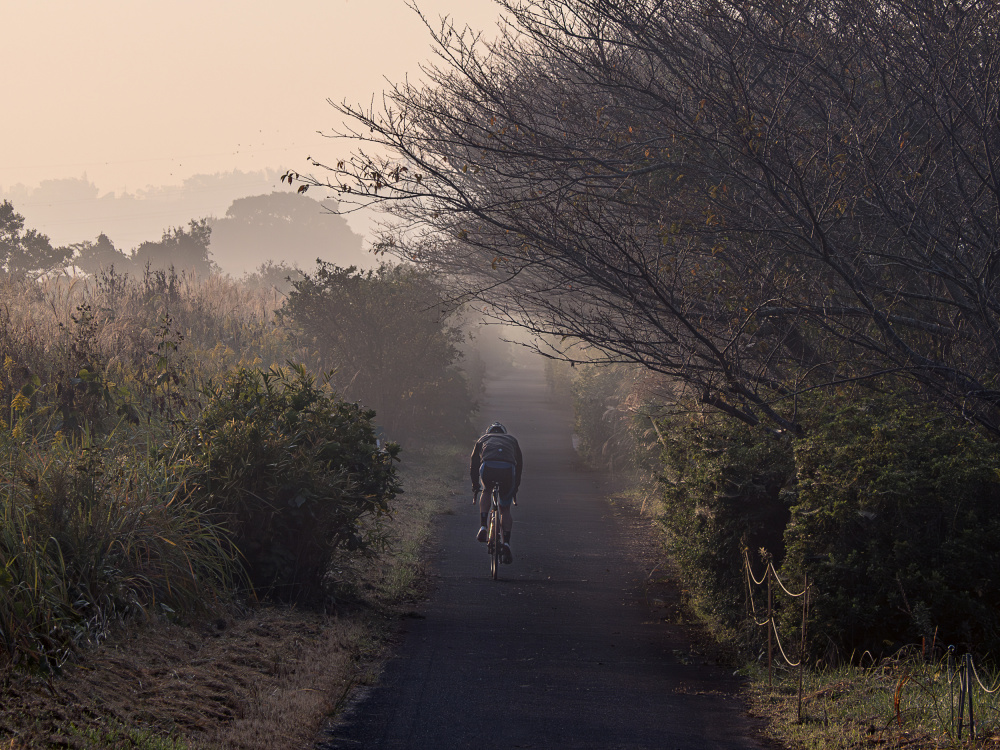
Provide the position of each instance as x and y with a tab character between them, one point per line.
266	678
901	702
235	683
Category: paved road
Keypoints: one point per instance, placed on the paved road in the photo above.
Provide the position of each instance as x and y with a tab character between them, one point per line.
563	651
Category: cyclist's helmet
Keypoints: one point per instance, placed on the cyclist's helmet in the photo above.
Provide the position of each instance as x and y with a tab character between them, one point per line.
495	428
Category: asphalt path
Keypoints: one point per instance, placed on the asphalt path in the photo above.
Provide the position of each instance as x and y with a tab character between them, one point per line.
564	650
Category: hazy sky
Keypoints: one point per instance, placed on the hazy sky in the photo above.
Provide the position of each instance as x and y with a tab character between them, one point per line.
134	94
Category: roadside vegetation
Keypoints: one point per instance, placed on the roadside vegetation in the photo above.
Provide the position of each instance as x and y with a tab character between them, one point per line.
887	508
184	469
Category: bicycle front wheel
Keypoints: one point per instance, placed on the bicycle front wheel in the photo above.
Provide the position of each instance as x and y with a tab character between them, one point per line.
495	542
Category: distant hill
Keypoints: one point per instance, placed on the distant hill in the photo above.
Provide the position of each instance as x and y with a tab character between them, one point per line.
75	210
270	225
284	227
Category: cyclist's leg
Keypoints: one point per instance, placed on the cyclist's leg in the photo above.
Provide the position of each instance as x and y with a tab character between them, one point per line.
506	485
506	520
484	504
484	499
505	481
506	524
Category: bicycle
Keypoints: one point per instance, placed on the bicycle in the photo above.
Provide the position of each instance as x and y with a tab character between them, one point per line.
494	534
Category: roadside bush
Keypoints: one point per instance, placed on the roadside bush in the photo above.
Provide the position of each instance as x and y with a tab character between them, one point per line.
388	337
896	524
725	489
888	507
295	473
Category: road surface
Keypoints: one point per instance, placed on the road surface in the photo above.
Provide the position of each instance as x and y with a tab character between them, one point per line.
563	651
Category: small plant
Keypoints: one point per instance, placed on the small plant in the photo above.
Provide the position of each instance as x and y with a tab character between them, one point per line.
117	735
902	700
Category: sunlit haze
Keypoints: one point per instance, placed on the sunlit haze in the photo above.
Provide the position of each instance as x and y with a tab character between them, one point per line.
117	98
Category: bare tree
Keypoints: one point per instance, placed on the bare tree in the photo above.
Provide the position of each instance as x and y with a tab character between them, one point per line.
754	197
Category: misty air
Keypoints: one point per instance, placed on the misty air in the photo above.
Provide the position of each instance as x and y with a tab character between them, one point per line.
500	374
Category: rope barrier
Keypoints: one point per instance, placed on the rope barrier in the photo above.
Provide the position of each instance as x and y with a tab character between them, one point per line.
782	648
985	689
746	560
784	588
769	569
772	632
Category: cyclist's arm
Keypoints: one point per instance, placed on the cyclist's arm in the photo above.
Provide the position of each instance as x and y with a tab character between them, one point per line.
474	463
518	462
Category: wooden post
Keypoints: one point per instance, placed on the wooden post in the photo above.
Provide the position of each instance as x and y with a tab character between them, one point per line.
770	629
951	686
802	646
962	687
969	675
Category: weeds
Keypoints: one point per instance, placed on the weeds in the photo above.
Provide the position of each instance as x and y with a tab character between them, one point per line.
905	700
92	533
125	737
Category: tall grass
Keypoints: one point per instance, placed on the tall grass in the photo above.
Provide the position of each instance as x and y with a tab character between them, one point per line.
96	525
92	532
134	328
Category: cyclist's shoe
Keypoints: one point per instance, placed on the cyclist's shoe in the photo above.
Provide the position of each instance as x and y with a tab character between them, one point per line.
481	536
505	553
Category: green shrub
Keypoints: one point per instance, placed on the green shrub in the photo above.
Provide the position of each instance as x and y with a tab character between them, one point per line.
896	524
294	473
390	336
725	490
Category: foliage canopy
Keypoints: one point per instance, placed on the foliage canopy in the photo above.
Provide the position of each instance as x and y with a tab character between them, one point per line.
756	198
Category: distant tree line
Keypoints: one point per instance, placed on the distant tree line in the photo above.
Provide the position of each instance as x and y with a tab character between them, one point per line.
27	251
280	228
180	248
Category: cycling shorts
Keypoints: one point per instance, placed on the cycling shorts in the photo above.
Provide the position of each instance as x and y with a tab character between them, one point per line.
501	474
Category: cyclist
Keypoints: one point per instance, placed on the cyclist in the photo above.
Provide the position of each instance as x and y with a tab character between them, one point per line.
496	460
